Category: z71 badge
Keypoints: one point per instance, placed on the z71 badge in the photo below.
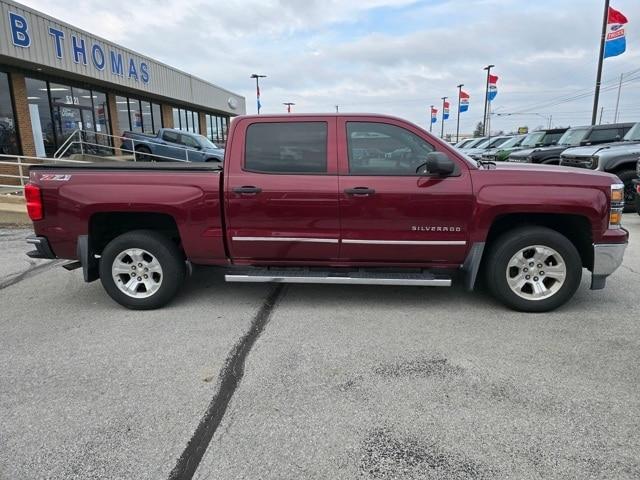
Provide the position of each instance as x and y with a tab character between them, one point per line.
50	177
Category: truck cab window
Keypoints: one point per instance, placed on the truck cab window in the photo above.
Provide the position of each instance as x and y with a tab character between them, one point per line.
384	149
287	147
190	141
170	136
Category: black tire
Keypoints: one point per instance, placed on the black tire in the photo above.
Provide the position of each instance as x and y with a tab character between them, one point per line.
165	252
638	203
507	245
143	154
627	177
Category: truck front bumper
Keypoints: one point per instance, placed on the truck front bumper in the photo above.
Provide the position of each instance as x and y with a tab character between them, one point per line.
607	257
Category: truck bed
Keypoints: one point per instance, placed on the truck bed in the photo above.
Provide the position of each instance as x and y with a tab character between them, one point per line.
83	197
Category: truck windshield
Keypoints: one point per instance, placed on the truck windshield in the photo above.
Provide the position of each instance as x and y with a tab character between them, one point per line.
205	142
633	135
512	142
532	139
573	136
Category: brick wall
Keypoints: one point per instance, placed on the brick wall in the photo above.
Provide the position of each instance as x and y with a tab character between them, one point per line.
23	118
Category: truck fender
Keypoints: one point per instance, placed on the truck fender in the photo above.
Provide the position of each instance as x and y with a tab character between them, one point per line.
89	262
615	163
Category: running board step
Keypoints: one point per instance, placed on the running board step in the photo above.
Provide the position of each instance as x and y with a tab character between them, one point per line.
419	279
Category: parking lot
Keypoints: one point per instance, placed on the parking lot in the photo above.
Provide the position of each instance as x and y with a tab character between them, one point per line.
307	381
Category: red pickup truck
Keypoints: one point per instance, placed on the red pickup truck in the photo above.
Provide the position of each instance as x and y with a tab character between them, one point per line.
348	199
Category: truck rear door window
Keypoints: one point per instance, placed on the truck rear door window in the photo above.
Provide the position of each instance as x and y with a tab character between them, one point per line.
604	135
384	149
170	136
286	147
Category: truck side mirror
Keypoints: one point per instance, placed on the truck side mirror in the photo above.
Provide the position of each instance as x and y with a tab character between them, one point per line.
439	164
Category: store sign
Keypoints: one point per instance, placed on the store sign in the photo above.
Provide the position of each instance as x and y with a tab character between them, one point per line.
91	55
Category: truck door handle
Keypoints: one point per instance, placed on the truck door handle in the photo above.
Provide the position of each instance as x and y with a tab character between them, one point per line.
360	191
247	189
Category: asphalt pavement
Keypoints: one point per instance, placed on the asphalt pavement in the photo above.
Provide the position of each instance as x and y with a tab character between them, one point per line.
235	381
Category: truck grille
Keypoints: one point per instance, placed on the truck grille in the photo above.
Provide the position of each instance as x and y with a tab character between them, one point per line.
638	169
579	162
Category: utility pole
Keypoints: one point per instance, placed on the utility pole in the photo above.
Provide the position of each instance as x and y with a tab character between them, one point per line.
458	120
601	112
615	116
596	96
288	104
337	108
431	119
486	100
258	77
444	99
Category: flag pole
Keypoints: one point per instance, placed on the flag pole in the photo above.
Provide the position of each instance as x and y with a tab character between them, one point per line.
431	119
596	96
458	123
615	117
444	99
486	100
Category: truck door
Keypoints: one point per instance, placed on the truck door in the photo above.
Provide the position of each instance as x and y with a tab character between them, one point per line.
282	190
390	213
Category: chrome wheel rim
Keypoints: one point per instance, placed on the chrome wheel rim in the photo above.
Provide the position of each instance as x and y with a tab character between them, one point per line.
536	272
137	273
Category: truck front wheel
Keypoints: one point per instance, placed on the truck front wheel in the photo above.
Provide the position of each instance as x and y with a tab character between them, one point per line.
142	269
533	269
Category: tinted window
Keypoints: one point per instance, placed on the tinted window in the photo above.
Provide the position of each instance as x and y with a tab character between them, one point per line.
604	135
383	149
287	147
552	138
170	136
189	141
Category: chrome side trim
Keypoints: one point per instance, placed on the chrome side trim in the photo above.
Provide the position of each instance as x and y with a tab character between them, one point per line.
607	258
406	242
427	282
285	239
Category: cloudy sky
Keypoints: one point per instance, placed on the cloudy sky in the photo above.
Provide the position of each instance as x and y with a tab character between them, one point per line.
384	56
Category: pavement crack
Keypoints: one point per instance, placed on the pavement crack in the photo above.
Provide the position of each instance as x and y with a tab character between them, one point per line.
631	269
228	381
16	278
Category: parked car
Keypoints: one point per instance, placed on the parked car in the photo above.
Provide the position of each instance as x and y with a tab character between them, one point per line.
573	137
619	158
473	143
170	144
494	154
464	142
539	138
490	143
293	204
637	185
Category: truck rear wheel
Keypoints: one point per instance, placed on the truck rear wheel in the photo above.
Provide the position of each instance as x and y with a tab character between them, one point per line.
533	269
143	154
142	270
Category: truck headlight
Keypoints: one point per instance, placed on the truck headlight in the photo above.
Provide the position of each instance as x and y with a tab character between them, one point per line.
593	163
617	205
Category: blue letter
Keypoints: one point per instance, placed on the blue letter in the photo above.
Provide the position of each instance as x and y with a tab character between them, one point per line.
19	30
97	55
58	36
144	72
132	69
79	50
116	64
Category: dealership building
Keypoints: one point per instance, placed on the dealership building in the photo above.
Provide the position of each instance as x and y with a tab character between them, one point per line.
56	79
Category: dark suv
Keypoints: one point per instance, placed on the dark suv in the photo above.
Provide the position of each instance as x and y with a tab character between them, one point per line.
574	137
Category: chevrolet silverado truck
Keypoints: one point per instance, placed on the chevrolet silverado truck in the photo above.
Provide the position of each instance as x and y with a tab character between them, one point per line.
619	158
170	145
342	199
573	137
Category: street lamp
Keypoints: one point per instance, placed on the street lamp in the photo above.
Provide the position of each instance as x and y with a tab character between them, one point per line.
486	100
258	77
288	104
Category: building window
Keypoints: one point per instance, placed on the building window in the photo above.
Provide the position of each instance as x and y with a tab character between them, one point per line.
137	115
186	120
44	136
217	128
